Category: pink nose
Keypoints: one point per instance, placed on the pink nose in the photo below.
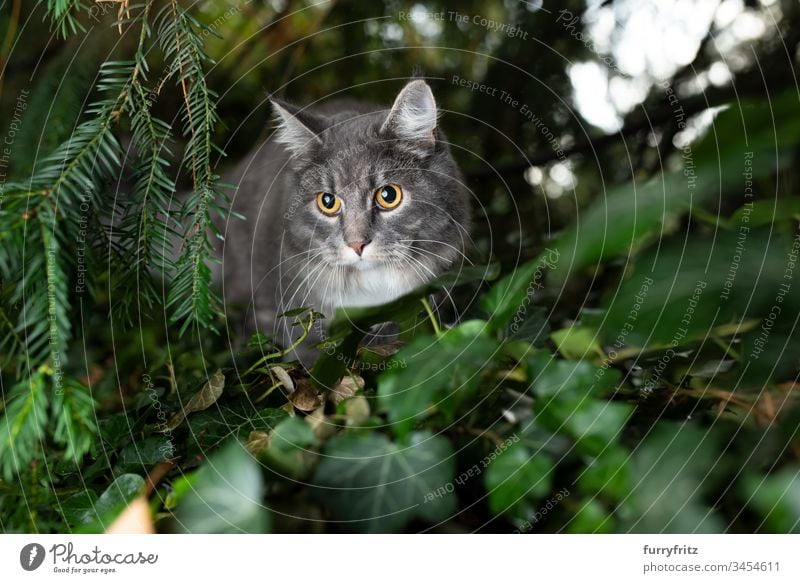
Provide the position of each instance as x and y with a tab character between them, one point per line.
358	246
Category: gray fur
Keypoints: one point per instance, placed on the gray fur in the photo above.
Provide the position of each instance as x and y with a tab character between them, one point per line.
285	253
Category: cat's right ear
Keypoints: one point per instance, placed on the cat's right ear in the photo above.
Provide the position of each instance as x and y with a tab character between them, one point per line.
297	129
413	117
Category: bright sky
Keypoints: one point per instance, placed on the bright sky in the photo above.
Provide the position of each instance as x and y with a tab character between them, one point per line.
645	42
648	40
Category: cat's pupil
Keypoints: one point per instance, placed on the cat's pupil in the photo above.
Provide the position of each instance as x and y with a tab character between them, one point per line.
328	200
389	194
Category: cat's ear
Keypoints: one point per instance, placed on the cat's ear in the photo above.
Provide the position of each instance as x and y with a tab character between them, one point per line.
297	129
413	115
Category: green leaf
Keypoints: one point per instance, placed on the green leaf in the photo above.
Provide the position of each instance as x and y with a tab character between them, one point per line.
79	508
765	212
121	492
289	445
555	378
532	328
776	497
435	373
510	299
673	296
371	484
591	517
565	401
669	470
147	452
517	477
212	427
773	355
577	343
635	213
609	474
225	495
593	424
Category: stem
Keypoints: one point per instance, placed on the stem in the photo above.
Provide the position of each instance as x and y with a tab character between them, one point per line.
266	393
729	350
485	433
285	351
434	321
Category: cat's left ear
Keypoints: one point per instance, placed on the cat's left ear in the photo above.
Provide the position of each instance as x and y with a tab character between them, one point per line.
413	116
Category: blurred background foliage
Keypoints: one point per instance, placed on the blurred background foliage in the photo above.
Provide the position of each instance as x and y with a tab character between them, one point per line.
636	161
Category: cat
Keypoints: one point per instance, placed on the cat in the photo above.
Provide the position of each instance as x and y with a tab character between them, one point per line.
347	205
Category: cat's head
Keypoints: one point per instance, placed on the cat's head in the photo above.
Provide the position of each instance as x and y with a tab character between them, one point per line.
375	189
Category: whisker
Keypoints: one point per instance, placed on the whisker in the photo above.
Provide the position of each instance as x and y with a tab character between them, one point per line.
411	261
453	247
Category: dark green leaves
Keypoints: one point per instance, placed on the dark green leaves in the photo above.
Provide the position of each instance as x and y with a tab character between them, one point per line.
510	299
609	474
371	484
567	380
142	455
94	515
682	289
192	299
74	417
288	452
22	425
224	496
119	494
776	497
517	479
435	374
669	472
211	427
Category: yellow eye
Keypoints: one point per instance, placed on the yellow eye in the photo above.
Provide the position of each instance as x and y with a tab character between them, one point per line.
328	203
387	197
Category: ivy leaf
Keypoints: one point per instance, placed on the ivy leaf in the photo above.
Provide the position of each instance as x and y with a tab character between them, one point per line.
210	428
609	474
591	517
517	477
288	451
151	450
593	424
510	299
122	491
371	484
531	327
78	508
776	497
435	372
224	495
576	343
556	378
669	468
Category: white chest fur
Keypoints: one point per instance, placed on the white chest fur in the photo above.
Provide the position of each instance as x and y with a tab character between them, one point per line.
366	287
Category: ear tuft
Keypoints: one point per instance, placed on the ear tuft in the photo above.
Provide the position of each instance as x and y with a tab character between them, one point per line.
413	115
294	129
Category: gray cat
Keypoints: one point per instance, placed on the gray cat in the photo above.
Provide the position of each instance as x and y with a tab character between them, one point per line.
347	205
